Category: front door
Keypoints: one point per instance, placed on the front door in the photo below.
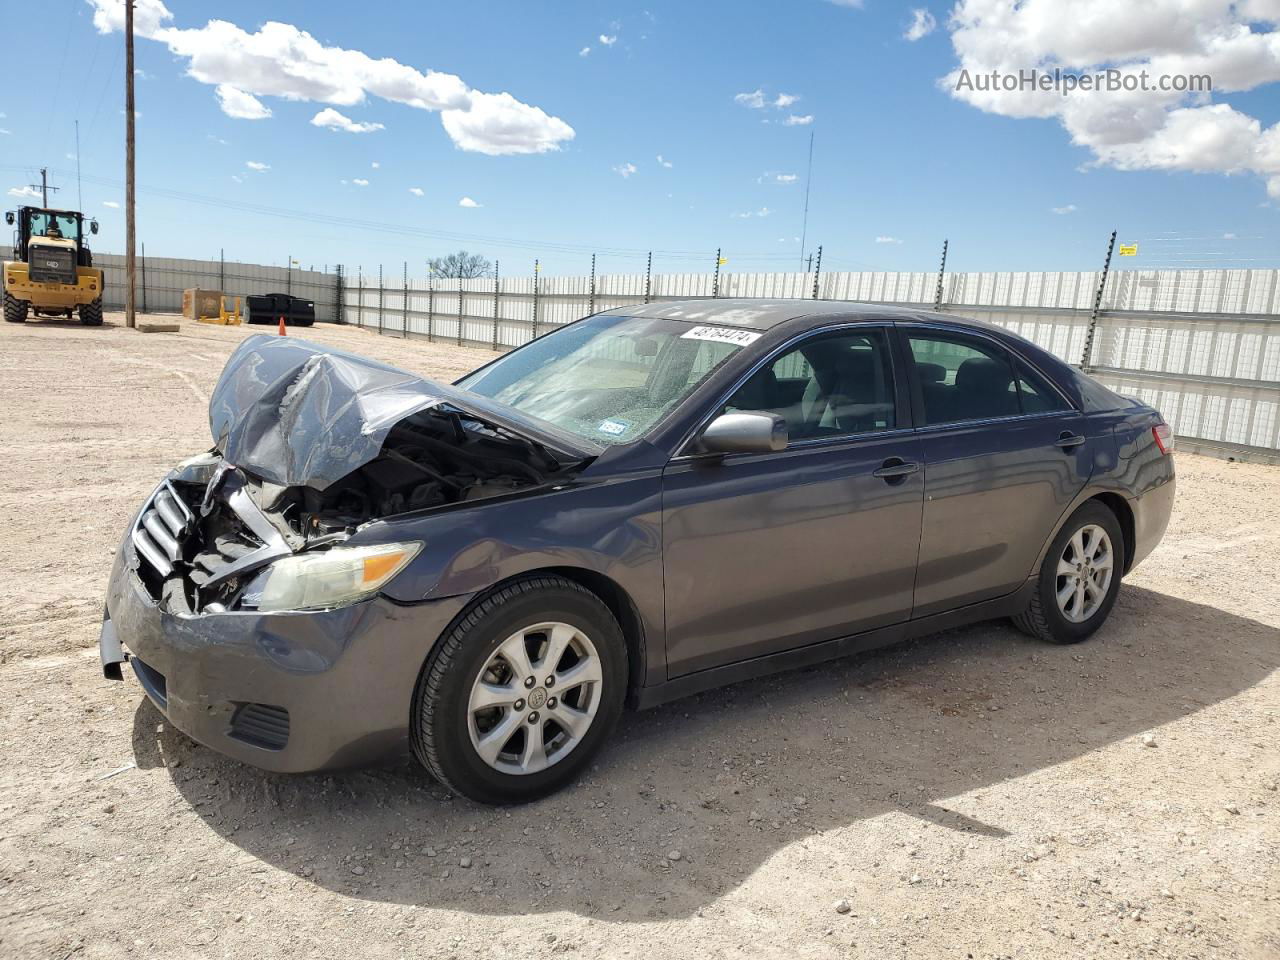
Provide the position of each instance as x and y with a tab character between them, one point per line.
766	552
1005	454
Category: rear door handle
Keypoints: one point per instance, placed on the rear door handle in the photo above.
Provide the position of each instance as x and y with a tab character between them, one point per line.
895	468
1067	440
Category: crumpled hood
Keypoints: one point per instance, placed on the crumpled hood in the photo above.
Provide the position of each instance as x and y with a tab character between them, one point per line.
296	413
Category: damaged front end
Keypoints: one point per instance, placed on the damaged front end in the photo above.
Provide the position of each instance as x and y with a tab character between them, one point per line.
311	445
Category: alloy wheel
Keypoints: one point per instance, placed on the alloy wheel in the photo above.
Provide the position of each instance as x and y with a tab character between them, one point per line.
1084	573
535	698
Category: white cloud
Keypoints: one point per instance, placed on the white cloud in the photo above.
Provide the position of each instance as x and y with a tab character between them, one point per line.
785	178
625	170
664	163
855	4
1237	44
1229	236
754	99
922	24
585	51
333	120
360	181
416	191
111	203
4	132
280	60
257	165
375	165
607	40
1068	208
796	121
237	178
468	202
211	137
24	193
884	239
236	103
784	100
762	212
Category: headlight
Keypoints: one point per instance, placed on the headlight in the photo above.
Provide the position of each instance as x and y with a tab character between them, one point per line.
330	578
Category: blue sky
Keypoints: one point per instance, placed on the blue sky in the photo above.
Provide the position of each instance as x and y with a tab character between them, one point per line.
899	162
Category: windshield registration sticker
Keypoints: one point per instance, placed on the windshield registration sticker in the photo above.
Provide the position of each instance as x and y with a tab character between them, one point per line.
614	427
722	335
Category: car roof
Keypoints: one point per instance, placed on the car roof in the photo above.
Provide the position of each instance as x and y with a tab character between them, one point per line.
766	314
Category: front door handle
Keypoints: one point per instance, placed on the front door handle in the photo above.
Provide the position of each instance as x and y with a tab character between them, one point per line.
1067	440
895	469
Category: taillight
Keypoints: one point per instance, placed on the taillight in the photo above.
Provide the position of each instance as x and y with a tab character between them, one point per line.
1163	435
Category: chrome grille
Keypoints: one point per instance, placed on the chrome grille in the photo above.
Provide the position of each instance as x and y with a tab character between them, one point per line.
161	529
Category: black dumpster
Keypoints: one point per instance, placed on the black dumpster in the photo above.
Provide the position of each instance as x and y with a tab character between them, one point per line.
270	307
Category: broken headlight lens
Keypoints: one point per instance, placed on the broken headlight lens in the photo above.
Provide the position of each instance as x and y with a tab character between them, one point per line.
331	578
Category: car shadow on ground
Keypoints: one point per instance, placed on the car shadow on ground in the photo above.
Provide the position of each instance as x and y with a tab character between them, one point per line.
731	777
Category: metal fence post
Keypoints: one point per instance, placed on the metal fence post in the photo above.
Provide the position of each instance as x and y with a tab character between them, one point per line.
536	267
1086	359
381	298
591	308
340	307
648	276
942	269
222	270
715	281
404	303
496	293
459	311
431	303
143	265
817	272
359	296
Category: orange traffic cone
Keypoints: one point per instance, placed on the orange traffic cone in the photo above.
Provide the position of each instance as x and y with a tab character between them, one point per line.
282	333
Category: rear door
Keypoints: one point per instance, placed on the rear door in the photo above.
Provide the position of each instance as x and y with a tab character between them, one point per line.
1005	455
766	552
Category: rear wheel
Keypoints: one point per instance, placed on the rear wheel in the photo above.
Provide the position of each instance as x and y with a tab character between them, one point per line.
15	310
1079	578
521	693
91	313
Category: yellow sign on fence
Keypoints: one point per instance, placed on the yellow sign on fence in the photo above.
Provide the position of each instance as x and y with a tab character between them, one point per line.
1128	249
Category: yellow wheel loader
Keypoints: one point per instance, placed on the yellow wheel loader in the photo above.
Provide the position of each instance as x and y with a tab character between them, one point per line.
52	272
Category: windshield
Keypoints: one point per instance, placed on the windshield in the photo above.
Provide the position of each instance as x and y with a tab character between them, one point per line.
608	378
65	225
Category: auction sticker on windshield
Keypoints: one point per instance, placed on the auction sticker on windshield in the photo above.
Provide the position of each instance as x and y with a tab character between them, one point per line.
722	335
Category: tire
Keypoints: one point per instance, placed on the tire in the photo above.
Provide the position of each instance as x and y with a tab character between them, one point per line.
1047	618
15	310
91	313
470	660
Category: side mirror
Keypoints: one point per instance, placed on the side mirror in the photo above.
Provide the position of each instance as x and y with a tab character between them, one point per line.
93	226
8	217
745	433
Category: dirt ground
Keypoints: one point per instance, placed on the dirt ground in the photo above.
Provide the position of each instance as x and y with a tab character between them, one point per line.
971	795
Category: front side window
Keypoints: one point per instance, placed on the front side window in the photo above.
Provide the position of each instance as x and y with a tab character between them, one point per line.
56	225
608	378
831	385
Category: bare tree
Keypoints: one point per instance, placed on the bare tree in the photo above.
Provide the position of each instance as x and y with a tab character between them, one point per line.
461	265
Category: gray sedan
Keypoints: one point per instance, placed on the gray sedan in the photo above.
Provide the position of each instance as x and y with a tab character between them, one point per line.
644	504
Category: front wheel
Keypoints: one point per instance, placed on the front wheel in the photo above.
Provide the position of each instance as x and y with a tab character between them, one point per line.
521	693
91	313
15	310
1079	578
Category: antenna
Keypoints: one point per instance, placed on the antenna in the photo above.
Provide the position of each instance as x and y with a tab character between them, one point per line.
43	186
804	225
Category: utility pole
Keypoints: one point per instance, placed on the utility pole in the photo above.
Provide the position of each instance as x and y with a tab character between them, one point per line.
79	188
44	187
130	223
804	223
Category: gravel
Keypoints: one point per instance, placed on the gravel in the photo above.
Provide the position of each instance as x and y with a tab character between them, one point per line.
1006	816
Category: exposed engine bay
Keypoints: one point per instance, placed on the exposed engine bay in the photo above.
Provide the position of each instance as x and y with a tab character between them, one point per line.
309	446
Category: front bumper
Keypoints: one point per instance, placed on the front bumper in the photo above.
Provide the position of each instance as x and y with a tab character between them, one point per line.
288	692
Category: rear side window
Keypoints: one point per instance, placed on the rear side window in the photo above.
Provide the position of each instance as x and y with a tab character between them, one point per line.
963	380
1034	393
